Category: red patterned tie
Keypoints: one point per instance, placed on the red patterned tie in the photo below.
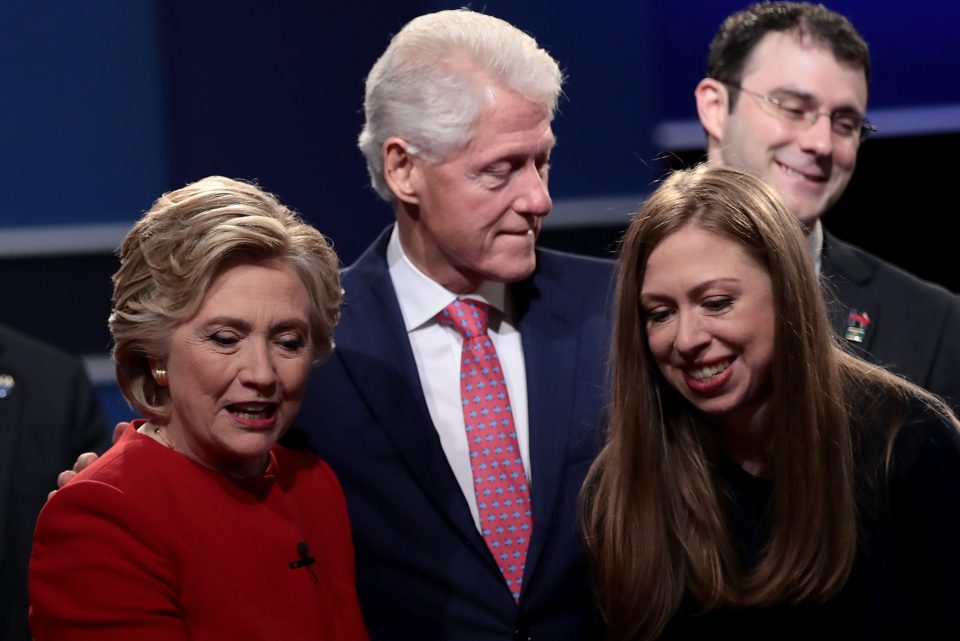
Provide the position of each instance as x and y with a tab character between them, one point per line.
503	497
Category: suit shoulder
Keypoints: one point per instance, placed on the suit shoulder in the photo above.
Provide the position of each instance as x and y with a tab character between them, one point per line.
33	355
588	270
892	282
570	259
584	281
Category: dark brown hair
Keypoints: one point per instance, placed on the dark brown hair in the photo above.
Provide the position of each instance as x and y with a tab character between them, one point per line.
653	516
741	32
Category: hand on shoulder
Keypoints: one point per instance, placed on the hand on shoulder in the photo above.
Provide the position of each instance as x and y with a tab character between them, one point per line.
85	460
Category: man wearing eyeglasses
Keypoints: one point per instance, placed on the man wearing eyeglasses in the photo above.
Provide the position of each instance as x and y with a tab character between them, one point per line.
785	98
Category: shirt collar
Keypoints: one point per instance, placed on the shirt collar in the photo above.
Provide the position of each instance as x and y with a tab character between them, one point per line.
815	243
421	298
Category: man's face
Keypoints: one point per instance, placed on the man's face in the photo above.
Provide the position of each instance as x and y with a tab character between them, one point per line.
809	166
481	207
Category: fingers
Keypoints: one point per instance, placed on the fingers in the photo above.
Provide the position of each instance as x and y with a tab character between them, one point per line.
62	479
66	476
119	429
84	461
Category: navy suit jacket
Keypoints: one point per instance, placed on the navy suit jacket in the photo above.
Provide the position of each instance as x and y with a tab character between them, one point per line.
423	570
912	326
48	416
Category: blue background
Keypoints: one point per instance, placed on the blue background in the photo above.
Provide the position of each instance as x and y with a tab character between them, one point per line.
108	103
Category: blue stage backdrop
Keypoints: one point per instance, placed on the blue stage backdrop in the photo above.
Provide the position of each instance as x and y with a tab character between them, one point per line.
107	104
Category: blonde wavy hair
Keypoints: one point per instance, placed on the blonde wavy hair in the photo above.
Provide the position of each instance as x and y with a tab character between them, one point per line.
171	255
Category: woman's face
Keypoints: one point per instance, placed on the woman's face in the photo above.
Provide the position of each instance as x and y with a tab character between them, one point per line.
709	317
237	369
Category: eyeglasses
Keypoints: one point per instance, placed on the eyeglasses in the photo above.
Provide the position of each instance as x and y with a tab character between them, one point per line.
801	114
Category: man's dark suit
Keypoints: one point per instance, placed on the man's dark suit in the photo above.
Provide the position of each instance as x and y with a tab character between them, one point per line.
910	325
48	417
424	571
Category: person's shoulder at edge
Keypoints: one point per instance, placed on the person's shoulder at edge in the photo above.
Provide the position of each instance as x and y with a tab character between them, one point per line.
128	463
73	412
924	455
927	439
33	351
136	466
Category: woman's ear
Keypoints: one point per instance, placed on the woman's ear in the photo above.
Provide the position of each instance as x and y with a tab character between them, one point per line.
158	371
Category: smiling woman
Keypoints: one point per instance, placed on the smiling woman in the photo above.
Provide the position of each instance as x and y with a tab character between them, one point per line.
197	524
758	481
709	315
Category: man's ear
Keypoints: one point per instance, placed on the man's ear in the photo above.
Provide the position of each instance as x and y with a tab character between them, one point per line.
712	107
400	170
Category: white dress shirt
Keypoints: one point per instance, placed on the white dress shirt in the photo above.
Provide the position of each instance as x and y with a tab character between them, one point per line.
436	350
815	243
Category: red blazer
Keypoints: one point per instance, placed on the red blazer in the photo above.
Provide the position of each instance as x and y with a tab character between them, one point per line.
148	545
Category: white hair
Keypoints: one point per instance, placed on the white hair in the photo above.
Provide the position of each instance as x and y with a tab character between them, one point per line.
428	86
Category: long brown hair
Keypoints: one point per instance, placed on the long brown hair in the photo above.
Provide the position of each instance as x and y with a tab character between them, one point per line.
653	516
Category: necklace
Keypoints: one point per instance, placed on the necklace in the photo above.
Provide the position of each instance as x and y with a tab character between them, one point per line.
162	438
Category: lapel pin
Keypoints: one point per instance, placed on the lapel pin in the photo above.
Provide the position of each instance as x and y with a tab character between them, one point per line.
6	384
857	323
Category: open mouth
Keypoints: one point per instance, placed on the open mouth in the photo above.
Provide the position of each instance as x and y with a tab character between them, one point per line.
709	371
520	232
253	411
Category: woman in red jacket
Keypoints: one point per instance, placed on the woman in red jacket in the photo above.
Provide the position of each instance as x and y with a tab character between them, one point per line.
196	524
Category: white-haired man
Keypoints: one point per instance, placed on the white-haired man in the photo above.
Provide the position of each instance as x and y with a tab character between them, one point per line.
458	138
461	406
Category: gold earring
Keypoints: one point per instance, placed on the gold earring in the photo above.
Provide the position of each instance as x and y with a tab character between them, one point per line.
160	376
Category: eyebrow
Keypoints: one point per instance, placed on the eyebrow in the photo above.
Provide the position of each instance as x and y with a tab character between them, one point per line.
283	325
697	290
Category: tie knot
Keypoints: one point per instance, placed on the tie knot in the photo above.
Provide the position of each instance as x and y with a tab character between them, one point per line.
468	317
